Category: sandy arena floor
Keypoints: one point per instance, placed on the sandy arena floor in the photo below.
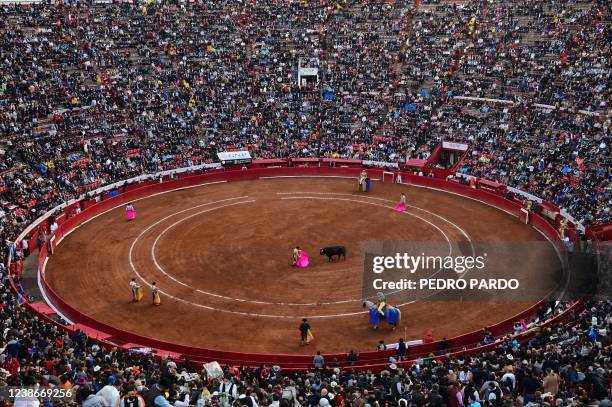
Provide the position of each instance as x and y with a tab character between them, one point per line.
221	255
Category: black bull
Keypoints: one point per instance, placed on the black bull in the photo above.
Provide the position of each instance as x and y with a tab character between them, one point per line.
334	251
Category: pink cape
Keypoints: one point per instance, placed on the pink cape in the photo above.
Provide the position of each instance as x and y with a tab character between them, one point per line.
130	214
302	261
400	207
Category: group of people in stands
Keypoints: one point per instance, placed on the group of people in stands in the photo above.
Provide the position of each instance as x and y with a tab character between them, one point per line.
566	364
97	93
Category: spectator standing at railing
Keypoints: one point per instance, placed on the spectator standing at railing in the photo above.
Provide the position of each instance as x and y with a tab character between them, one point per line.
53	226
318	361
352	357
402	349
25	246
443	348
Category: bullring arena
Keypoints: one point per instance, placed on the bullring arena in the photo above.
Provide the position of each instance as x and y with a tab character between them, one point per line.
333	203
218	245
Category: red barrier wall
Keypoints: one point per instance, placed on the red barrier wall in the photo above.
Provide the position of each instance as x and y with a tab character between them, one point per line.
600	232
91	208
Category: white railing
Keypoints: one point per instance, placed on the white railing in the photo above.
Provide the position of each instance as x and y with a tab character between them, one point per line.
538	105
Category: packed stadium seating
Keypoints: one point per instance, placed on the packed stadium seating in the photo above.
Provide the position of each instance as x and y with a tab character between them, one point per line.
95	93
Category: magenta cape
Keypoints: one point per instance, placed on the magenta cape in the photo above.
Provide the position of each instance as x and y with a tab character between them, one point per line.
130	214
302	261
400	207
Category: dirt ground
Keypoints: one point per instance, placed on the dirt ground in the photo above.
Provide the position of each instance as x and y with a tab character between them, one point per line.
221	255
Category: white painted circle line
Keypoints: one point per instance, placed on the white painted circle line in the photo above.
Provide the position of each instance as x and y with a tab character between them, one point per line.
224	297
450	246
463	232
161	269
158	266
207	307
151	226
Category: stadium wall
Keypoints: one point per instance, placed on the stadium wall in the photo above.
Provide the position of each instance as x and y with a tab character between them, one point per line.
125	192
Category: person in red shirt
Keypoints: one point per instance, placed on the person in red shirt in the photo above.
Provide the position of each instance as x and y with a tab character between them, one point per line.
235	371
339	399
455	398
264	373
50	366
12	365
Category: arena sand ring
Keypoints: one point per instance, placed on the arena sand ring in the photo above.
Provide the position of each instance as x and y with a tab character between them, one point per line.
219	254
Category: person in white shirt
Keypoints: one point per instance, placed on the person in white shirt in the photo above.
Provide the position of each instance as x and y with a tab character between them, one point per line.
275	400
110	394
93	400
229	388
25	246
26	402
247	401
182	403
134	288
54	226
511	376
132	398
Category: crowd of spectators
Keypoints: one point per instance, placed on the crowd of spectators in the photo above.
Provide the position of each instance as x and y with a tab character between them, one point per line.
100	92
565	364
93	93
569	165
